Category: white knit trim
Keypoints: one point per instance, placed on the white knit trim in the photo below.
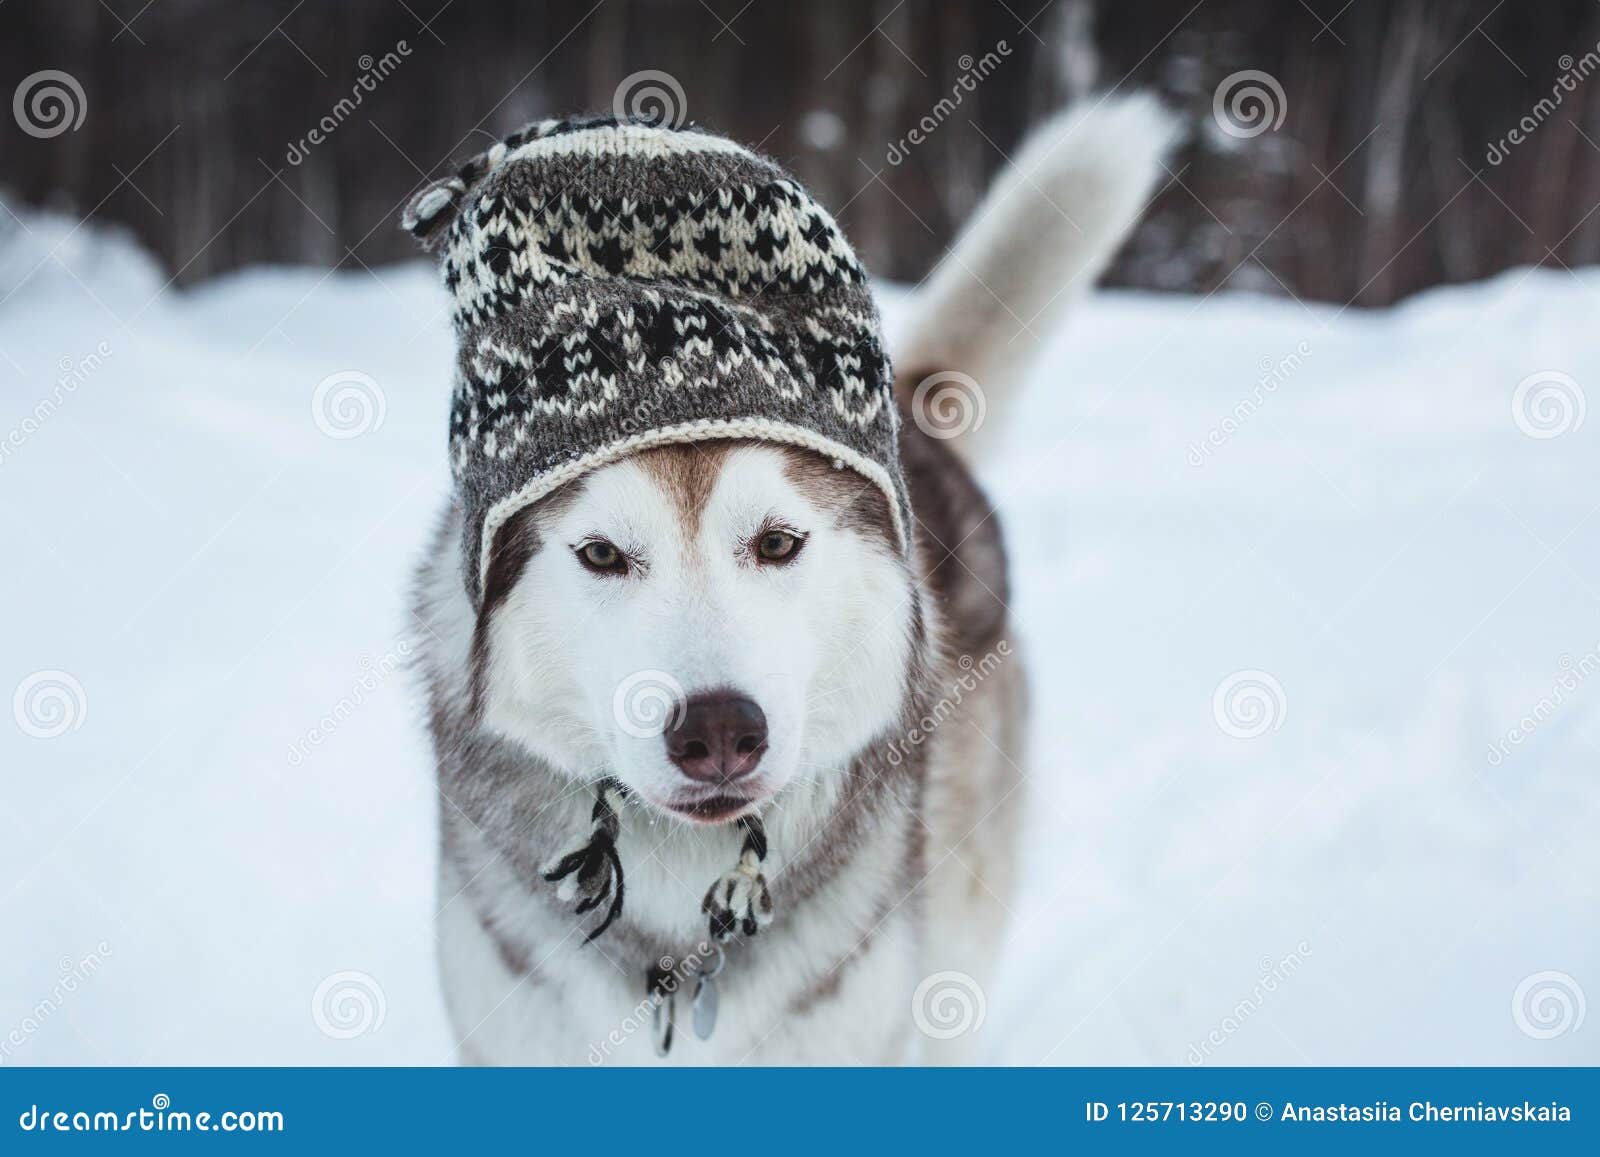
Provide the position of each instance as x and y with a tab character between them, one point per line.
634	140
763	429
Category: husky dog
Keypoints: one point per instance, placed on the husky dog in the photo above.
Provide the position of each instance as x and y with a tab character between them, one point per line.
867	705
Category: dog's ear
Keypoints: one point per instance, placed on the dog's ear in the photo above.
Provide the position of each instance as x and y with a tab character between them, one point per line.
514	544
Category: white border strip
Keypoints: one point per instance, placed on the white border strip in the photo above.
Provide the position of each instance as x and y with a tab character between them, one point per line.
705	429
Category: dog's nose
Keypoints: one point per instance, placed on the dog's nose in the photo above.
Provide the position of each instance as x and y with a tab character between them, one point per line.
719	738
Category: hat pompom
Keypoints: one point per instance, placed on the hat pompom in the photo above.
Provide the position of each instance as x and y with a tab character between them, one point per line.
437	204
429	211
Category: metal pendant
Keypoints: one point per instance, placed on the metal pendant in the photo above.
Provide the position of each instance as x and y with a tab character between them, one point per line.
704	1006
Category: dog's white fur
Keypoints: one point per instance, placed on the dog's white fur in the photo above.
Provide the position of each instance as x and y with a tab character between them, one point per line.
826	646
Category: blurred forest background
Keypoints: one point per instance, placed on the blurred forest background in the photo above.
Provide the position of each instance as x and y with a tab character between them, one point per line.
1390	169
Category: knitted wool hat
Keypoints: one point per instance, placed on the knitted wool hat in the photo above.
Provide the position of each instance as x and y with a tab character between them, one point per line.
618	285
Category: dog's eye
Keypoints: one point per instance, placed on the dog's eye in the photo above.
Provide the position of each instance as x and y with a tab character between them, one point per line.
602	557
778	546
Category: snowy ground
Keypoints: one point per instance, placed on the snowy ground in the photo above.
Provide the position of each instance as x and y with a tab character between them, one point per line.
208	574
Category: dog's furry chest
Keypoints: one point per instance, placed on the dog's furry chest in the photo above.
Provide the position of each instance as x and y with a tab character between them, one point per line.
824	983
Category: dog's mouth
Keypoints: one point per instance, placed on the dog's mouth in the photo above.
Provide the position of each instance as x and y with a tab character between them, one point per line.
721	808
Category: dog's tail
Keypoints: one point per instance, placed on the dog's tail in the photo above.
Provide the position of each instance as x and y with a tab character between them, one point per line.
1044	232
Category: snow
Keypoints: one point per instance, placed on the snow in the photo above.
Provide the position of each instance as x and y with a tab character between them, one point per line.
239	805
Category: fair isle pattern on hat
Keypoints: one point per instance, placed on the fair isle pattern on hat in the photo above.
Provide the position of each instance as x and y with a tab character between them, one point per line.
619	285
